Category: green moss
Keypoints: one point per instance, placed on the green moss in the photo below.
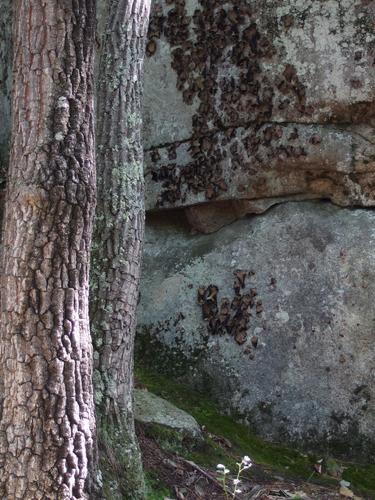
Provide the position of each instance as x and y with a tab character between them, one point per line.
274	457
172	361
362	477
155	489
120	463
244	442
209	454
169	439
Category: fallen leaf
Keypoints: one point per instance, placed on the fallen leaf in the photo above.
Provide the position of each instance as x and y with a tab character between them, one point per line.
318	468
346	492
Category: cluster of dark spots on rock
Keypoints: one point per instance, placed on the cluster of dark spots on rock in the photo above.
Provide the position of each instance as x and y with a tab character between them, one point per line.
272	133
155	156
288	83
339	417
315	139
180	316
355	83
249	351
220	33
273	283
287	21
171	324
259	307
239	281
342	359
220	55
207	299
265	407
203	174
172	155
155	29
359	389
151	48
361	396
293	135
253	150
230	317
232	105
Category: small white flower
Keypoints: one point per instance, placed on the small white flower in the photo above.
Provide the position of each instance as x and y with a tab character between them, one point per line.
237	490
226	471
246	462
220	467
236	481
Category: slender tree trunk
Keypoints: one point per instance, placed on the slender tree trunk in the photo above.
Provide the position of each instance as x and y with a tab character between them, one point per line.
47	426
119	229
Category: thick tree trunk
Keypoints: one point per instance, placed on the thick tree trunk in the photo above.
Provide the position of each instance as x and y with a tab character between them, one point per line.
5	80
5	87
47	423
119	228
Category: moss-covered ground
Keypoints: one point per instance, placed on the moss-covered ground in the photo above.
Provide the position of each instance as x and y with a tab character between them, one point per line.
274	458
155	489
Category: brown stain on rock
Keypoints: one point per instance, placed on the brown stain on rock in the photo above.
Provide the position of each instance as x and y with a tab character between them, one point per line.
221	54
231	317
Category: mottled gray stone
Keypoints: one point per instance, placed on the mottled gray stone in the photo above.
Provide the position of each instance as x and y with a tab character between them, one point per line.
329	43
260	98
311	376
166	117
339	167
249	104
151	409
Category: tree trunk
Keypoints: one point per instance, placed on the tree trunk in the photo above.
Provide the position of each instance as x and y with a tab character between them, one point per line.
47	428
119	230
5	86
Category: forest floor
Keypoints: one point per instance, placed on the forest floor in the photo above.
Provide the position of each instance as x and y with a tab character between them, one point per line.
179	469
173	477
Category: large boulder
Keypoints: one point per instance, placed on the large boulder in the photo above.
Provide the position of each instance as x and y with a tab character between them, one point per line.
274	315
151	409
253	99
250	103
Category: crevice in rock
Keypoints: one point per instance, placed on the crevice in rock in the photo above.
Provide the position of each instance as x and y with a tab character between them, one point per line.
256	124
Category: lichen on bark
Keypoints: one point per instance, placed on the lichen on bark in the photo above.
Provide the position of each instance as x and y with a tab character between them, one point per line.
119	228
5	83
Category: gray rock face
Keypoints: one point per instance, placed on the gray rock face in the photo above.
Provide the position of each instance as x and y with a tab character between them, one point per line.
249	103
274	315
258	99
150	409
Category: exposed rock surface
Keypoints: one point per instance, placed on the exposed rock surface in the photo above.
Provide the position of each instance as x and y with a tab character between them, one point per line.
274	314
259	99
249	103
151	409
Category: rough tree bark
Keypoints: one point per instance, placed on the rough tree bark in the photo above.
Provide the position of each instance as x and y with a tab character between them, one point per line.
47	423
5	86
119	228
